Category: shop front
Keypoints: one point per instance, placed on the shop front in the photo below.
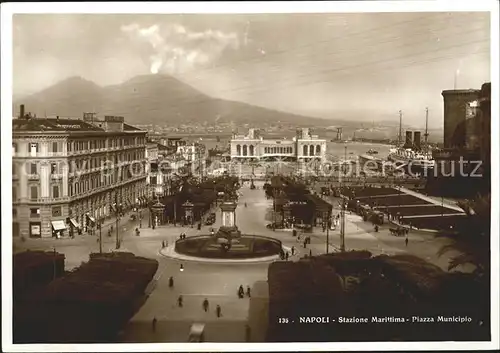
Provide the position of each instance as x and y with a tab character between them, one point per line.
58	228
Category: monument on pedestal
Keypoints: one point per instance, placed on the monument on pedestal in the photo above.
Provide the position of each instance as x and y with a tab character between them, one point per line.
228	232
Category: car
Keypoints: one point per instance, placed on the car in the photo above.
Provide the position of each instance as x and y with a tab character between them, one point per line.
197	333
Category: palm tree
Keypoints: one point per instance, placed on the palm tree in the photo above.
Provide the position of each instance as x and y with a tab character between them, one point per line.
471	239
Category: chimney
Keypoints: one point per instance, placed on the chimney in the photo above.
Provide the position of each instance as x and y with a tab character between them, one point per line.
21	115
417	139
408	140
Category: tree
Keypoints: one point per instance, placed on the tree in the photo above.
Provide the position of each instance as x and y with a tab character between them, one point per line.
471	239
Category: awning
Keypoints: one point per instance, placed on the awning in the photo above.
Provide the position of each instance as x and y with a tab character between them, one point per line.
74	223
92	219
58	225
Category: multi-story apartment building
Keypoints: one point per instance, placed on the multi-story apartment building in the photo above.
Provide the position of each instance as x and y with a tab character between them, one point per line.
69	174
155	176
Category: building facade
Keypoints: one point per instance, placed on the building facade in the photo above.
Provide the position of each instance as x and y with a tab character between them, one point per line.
156	177
462	167
253	147
69	174
456	104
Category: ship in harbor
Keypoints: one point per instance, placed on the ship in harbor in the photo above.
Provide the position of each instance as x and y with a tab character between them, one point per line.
412	155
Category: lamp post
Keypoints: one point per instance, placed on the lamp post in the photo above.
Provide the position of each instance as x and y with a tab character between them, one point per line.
327	223
99	225
54	263
342	226
149	216
117	234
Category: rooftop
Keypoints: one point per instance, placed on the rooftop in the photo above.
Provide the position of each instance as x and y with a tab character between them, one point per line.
59	125
460	91
48	124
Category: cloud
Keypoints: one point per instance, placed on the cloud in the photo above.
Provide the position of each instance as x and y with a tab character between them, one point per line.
176	49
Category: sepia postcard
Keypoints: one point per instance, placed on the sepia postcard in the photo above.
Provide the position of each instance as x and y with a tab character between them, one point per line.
264	176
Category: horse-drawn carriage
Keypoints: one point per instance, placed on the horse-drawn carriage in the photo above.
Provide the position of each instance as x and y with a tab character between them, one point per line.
399	231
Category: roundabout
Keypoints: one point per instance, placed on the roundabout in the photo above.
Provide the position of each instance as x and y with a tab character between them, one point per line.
228	245
169	252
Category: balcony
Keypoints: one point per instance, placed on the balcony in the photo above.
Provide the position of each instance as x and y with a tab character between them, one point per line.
42	200
33	177
56	176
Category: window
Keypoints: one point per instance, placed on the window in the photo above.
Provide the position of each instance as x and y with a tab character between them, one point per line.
34	212
33	169
69	146
53	168
14	193
33	147
34	192
55	147
56	211
55	191
14	212
70	189
14	147
152	180
14	168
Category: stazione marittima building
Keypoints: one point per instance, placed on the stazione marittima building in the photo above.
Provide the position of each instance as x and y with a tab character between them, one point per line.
69	174
304	147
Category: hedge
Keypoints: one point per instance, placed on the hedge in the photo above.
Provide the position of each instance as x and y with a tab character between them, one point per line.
395	286
89	304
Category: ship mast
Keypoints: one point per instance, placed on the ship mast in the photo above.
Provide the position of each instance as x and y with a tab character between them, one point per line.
426	135
400	127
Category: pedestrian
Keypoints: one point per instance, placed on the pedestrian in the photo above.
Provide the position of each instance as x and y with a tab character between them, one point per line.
248	291
305	244
218	311
154	324
293	250
171	282
286	256
180	301
163	244
205	304
310	252
406	241
241	292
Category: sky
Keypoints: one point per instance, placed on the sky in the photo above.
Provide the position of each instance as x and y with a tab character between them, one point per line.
364	66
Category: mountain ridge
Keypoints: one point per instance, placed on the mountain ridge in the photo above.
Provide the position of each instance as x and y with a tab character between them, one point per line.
150	99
